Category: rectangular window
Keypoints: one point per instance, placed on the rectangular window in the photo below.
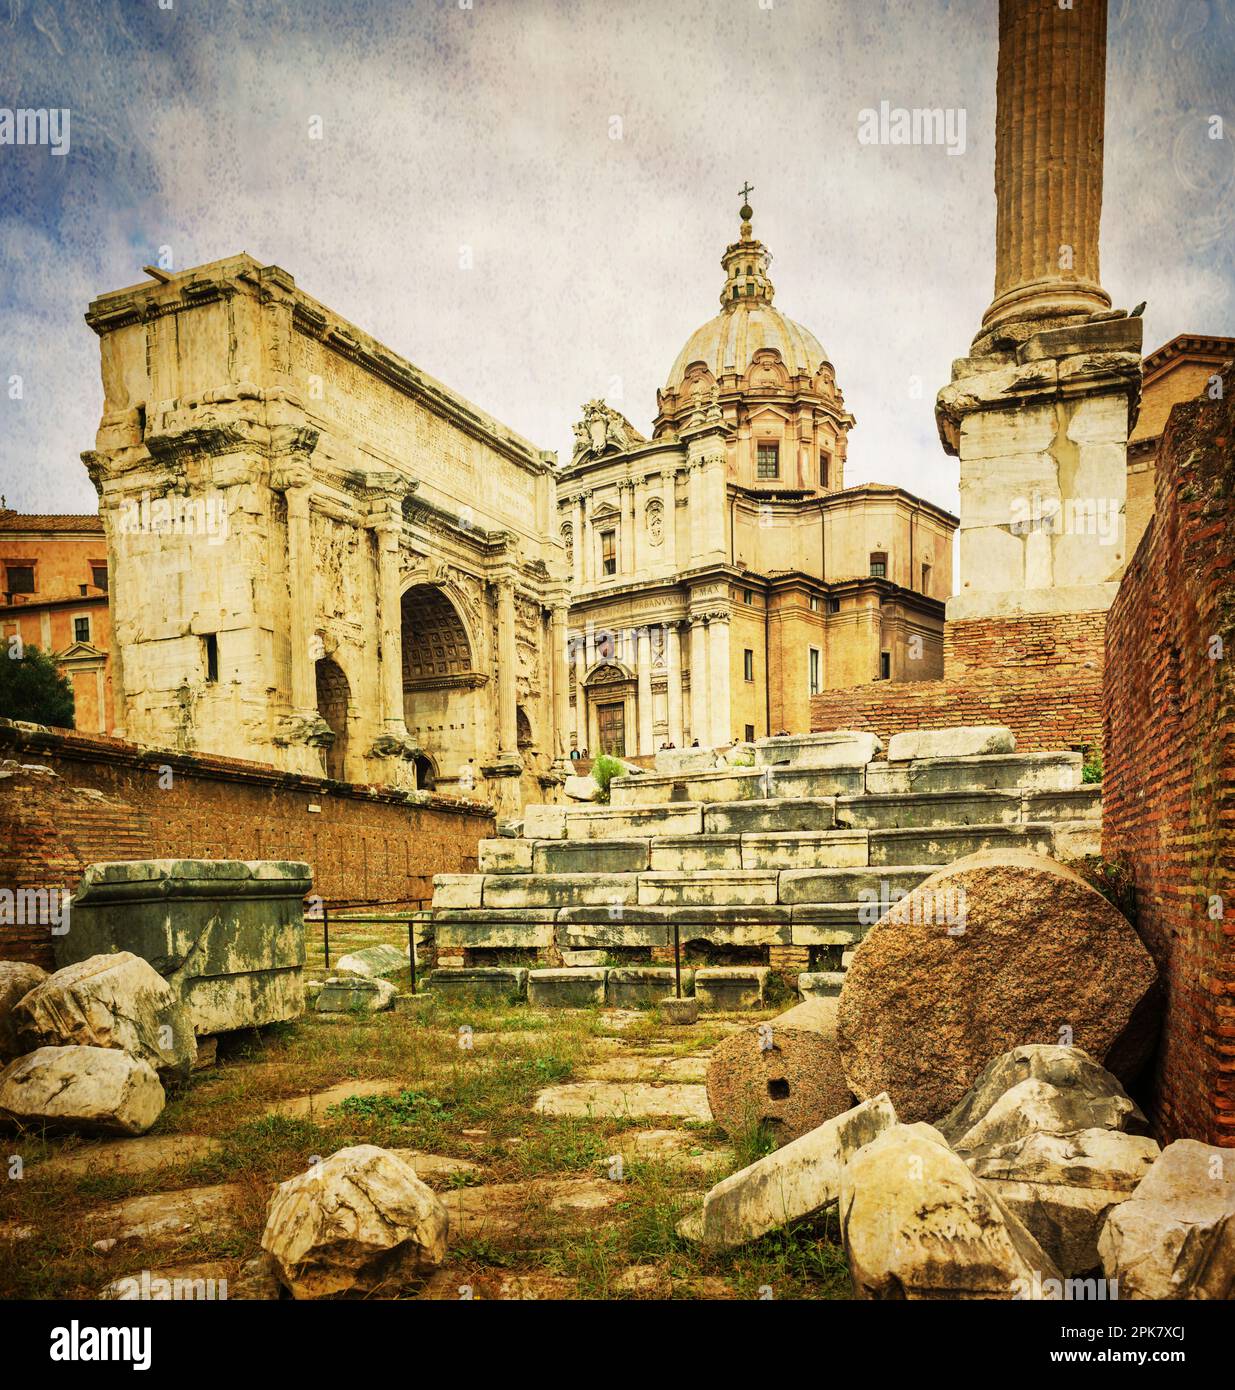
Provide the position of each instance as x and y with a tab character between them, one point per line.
926	579
767	461
750	733
825	469
814	603
748	664
210	648
816	670
98	577
748	596
608	551
833	605
81	629
19	579
879	565
885	666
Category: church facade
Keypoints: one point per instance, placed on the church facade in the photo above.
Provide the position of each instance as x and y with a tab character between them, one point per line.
721	571
320	557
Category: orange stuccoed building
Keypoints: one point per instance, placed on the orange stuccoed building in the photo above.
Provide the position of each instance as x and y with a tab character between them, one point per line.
53	595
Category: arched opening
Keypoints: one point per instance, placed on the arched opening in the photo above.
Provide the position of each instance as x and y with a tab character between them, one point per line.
333	697
523	729
439	687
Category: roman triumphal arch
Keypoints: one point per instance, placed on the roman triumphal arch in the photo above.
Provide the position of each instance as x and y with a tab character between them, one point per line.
321	557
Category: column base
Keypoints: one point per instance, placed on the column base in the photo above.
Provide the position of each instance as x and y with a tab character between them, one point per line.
504	765
395	743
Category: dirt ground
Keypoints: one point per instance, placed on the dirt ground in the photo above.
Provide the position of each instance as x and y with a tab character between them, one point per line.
566	1145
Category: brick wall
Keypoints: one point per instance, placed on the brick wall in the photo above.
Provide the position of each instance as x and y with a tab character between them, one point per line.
105	801
1169	786
1041	676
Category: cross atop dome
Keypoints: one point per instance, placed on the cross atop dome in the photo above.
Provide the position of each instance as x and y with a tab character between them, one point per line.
746	264
744	212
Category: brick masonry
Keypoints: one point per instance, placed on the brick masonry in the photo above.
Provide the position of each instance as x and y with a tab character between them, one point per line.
72	799
1041	676
1169	785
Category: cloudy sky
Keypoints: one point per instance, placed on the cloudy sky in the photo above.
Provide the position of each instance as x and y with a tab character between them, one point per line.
491	125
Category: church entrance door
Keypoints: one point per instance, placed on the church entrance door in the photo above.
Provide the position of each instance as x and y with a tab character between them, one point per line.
612	722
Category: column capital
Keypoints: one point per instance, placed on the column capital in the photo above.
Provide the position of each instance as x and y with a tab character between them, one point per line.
290	474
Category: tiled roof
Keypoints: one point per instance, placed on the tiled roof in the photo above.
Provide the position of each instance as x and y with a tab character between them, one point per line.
51	522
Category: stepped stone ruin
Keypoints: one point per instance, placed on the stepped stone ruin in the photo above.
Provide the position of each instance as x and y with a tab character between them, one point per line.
785	863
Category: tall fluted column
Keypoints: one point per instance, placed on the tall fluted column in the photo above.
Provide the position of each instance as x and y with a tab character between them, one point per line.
558	662
699	728
669	528
576	530
643	661
718	679
508	733
1050	106
674	667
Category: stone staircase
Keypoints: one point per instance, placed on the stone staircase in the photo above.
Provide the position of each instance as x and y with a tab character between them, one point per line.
785	863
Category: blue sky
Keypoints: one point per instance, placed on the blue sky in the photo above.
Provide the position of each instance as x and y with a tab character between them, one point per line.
593	258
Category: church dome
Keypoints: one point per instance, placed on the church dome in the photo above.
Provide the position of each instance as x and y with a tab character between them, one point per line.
728	343
747	322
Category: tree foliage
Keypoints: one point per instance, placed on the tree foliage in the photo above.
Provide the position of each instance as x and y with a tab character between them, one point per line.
33	688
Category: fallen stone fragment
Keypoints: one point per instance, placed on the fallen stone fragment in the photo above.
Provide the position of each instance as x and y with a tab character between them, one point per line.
349	994
917	1224
374	962
1069	1092
86	1090
1063	1186
679	1013
996	950
1174	1238
17	979
356	1223
793	1183
118	1001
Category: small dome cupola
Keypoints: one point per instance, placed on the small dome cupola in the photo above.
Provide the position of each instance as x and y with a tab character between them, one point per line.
746	264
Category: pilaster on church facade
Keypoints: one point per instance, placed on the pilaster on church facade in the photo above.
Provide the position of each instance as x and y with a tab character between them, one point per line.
355	577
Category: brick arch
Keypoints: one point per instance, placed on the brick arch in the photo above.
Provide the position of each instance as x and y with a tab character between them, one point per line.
435	641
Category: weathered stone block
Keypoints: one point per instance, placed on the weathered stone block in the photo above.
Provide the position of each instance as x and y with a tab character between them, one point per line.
928	810
544	822
643	987
944	844
991	772
790	782
838	748
605	933
678	1013
520	933
832	924
227	933
820	984
805	849
480	982
958	742
560	890
872	885
616	823
16	980
505	856
707	888
347	993
692	853
770	816
731	987
381	962
571	988
458	890
590	857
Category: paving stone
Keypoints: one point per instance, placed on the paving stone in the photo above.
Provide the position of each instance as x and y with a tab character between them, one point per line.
144	1154
501	1208
622	1100
647	1068
213	1210
207	1281
316	1105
